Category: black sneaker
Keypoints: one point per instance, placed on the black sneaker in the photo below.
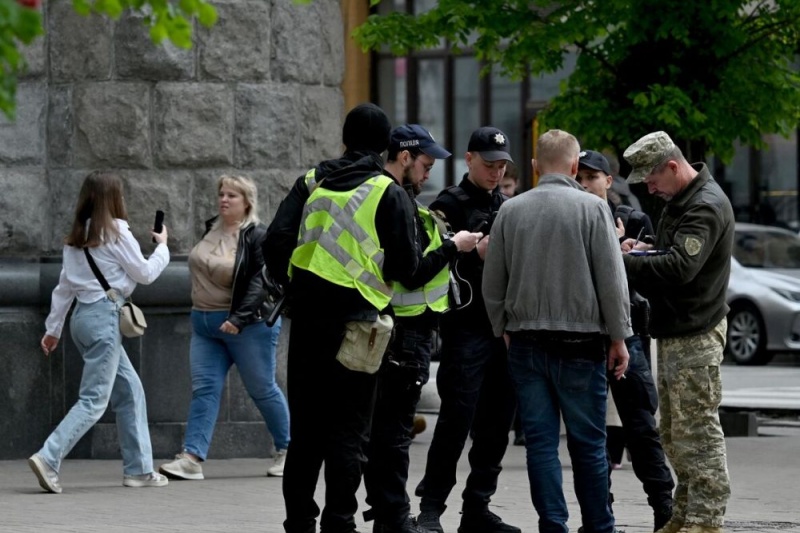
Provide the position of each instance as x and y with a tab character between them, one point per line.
486	522
409	525
429	521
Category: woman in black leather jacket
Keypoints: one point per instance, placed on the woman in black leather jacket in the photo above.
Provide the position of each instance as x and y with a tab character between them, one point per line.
228	328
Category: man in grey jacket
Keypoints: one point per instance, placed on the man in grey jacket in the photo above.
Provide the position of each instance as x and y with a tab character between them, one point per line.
554	283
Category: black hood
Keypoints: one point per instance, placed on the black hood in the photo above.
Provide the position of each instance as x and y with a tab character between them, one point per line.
350	170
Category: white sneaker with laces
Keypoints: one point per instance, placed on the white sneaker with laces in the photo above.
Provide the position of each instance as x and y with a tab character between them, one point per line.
279	459
183	467
153	479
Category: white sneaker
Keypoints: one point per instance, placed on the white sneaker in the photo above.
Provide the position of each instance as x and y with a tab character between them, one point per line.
152	479
183	467
276	469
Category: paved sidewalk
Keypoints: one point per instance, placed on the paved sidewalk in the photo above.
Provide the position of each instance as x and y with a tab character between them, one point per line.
237	498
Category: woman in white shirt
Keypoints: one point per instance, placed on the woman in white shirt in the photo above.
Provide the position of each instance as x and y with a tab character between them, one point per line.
101	226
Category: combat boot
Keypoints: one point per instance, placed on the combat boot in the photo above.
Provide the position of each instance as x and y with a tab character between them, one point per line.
699	528
661	517
409	525
429	521
673	525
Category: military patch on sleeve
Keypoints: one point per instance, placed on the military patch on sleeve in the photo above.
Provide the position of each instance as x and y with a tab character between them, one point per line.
693	245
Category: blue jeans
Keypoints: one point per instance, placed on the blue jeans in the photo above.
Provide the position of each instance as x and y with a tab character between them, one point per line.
212	353
549	384
108	378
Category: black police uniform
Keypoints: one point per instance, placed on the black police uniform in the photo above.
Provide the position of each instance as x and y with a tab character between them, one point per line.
473	381
405	370
636	397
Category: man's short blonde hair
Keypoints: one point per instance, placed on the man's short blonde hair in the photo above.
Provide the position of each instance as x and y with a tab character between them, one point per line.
556	151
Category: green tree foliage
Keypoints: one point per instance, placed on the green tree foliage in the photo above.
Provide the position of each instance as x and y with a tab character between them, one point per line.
709	72
21	22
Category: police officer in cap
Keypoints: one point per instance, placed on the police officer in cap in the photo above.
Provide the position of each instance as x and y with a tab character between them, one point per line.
357	234
417	306
473	381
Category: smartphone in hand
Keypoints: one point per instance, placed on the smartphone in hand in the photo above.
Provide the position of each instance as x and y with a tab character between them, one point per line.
159	223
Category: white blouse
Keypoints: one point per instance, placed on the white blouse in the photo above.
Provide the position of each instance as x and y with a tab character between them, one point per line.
121	263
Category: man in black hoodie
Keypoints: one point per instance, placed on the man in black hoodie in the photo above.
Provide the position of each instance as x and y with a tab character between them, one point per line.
330	405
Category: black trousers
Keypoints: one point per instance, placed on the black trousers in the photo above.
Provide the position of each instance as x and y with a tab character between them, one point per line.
405	370
331	409
636	398
476	392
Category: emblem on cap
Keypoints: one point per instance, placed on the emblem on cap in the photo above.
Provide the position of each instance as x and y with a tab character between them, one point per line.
582	154
499	139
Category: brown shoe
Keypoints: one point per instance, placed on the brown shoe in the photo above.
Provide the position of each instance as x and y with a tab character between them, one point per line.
419	425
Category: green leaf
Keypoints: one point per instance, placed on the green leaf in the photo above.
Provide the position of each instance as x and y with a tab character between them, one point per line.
158	32
82	7
207	15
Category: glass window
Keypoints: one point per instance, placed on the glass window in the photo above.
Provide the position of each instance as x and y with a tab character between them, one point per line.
548	86
778	180
466	110
392	88
506	96
431	111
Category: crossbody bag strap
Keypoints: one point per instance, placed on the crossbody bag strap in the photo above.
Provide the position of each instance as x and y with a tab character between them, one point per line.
97	273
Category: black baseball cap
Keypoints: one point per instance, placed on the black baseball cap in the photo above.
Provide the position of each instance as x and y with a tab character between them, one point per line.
410	136
594	160
490	143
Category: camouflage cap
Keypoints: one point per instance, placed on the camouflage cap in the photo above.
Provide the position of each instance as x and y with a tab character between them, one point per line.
646	153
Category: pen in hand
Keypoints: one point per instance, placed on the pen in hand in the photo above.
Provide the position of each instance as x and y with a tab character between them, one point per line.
637	238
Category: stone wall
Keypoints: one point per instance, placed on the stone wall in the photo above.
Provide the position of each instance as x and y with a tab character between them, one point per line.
257	95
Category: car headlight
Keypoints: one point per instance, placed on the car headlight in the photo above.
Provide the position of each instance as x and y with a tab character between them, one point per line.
792	296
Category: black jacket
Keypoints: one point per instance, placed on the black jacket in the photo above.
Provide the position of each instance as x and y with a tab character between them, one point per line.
468	207
247	300
687	287
312	296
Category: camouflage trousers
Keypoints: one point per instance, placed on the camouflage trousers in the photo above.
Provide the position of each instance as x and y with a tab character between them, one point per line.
689	390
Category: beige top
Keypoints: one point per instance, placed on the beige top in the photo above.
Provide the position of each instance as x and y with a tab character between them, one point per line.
211	264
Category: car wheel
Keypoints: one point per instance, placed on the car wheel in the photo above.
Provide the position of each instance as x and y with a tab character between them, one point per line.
747	336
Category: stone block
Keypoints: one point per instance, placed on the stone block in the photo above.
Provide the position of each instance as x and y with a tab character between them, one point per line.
34	56
273	186
738	423
170	191
165	370
267	132
22	141
60	126
64	186
308	42
22	224
241	439
237	47
79	47
322	109
103	108
137	57
193	125
25	384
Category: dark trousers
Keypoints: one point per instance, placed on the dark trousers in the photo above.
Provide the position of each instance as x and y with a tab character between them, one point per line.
476	392
404	371
636	399
331	409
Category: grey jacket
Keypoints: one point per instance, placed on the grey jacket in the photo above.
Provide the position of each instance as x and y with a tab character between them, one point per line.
554	263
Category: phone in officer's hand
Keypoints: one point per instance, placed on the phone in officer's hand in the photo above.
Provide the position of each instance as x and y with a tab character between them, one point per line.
158	226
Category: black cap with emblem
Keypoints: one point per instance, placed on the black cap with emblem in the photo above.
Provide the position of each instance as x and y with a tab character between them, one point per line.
491	143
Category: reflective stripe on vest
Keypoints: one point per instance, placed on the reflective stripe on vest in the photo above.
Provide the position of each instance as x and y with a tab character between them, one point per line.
338	240
433	294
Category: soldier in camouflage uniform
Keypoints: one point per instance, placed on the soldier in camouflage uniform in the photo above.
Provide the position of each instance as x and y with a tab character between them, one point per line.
685	279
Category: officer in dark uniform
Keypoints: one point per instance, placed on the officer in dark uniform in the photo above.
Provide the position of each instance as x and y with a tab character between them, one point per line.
635	397
417	306
331	405
475	388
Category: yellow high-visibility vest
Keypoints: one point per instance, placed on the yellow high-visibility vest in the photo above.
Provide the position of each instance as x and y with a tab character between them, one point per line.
433	294
338	240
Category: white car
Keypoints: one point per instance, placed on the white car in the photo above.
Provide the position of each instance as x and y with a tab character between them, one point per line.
764	294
